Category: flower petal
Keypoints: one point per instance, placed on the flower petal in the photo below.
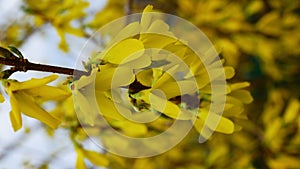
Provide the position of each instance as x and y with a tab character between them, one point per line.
168	108
157	35
32	83
292	111
156	41
202	79
229	72
224	125
96	158
242	95
160	27
165	76
31	109
16	120
80	159
178	88
86	80
131	129
145	77
146	17
85	110
218	88
15	114
124	51
114	77
1	98
130	30
233	107
107	107
141	62
178	50
240	85
48	93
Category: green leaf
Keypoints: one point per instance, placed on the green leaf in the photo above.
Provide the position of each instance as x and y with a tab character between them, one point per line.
4	53
16	51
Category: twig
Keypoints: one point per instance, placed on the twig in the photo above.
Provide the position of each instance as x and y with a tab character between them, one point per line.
24	65
129	7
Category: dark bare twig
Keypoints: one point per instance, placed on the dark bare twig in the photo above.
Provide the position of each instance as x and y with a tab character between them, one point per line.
129	7
21	64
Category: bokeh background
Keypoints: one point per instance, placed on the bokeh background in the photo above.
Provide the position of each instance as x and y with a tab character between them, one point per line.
259	38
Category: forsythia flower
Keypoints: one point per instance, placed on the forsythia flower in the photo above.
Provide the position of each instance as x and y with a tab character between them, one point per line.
254	30
128	61
112	10
1	98
60	14
107	106
25	97
94	157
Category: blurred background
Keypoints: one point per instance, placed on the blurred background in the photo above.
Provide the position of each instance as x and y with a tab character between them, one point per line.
259	38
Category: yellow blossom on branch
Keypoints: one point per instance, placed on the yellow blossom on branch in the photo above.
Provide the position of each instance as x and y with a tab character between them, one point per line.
60	14
25	97
95	157
149	60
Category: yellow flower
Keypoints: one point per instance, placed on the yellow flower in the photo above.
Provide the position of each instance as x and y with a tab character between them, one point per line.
1	98
132	47
163	88
124	49
25	97
87	109
93	156
129	47
60	14
111	11
62	23
104	81
141	57
170	88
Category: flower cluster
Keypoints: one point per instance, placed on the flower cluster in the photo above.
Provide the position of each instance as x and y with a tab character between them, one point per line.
27	97
153	82
146	78
60	14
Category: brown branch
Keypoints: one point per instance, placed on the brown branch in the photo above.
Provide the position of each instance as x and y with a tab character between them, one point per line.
129	7
24	65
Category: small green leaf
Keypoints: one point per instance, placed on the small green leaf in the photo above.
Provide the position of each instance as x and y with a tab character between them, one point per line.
5	53
16	51
6	73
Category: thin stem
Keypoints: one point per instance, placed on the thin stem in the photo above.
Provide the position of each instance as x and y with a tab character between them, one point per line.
24	65
129	7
